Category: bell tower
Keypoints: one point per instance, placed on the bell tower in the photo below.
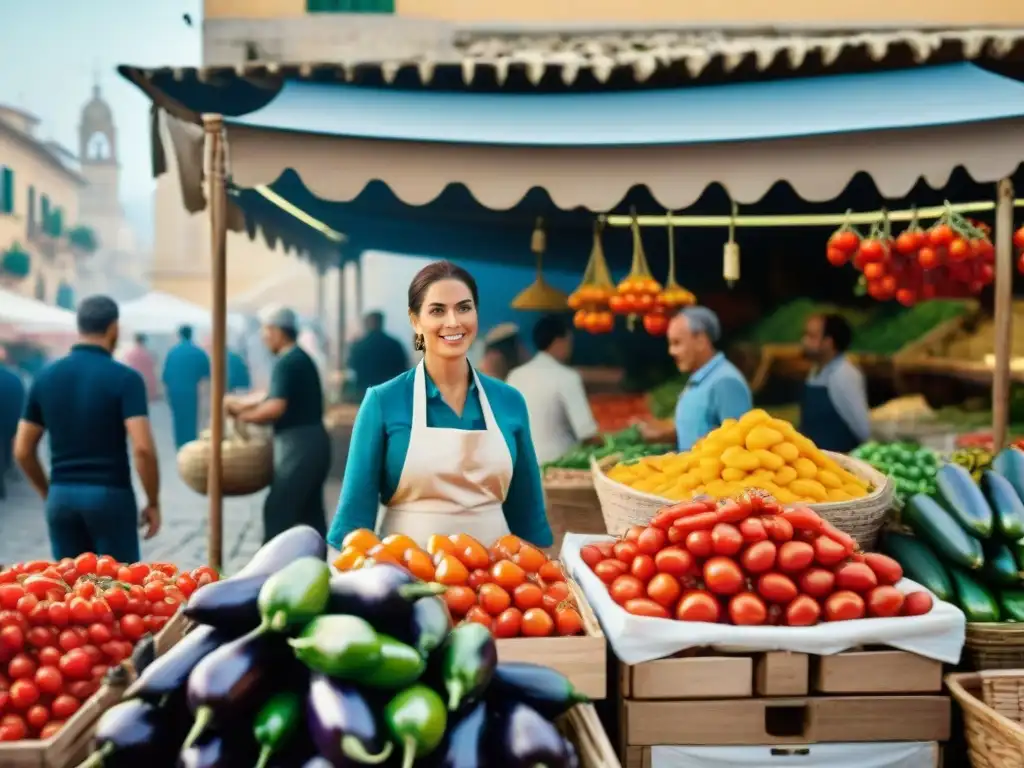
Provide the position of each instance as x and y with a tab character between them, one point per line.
99	203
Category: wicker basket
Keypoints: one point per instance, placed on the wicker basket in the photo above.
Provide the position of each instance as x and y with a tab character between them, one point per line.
993	706
861	518
247	461
995	646
571	503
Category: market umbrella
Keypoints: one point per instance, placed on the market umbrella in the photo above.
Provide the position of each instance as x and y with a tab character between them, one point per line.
163	313
22	314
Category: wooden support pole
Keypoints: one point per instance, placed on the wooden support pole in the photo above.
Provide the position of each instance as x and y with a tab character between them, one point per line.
217	193
1003	314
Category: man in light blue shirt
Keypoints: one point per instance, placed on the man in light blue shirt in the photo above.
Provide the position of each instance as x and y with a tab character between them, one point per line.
716	390
834	407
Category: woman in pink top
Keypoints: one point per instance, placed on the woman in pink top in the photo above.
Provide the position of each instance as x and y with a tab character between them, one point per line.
141	360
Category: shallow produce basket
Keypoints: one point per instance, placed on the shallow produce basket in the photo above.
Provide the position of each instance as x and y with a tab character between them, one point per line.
995	646
993	707
862	518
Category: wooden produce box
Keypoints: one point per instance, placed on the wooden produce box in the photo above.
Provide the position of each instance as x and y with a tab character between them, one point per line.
572	504
582	658
73	743
582	727
781	699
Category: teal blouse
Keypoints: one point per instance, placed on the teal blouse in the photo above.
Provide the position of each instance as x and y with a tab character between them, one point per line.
380	441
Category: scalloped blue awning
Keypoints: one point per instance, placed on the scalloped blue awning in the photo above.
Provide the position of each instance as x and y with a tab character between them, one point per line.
945	95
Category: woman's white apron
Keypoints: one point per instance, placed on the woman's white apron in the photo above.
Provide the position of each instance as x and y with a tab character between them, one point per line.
453	480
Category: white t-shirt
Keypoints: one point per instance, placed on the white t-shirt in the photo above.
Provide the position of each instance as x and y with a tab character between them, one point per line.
560	415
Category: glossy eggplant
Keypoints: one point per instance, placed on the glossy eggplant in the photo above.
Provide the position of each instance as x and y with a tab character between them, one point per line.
215	750
466	745
237	678
232	604
429	625
169	673
546	690
468	659
383	594
525	739
343	726
131	734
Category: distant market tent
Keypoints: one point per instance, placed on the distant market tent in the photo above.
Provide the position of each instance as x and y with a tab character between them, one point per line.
23	314
162	313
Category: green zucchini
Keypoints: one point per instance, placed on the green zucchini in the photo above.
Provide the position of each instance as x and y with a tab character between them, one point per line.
975	600
1011	601
1009	463
1001	568
919	563
962	498
938	528
1005	503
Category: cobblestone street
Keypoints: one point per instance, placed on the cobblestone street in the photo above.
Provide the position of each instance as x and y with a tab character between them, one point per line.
183	537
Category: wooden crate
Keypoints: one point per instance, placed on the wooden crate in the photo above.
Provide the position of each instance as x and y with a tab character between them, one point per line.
72	744
780	698
572	504
582	727
582	659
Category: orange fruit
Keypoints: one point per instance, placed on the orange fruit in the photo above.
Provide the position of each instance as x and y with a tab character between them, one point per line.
480	616
381	554
398	544
527	596
451	572
471	552
530	559
459	600
438	543
507	546
350	558
479	577
537	623
551	571
362	539
507	574
494	599
419	564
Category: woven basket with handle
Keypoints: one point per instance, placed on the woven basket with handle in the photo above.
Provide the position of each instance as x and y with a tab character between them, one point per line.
995	646
993	707
247	461
862	518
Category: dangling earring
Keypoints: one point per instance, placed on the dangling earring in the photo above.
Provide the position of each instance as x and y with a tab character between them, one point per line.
419	343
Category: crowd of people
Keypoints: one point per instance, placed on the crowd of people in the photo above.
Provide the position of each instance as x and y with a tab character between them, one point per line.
453	443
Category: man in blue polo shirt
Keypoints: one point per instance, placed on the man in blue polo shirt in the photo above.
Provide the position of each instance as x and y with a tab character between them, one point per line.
91	405
716	390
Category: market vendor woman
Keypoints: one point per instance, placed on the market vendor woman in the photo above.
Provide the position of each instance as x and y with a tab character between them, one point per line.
444	448
302	448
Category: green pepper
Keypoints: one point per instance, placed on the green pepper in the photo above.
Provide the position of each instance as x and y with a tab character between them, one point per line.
400	665
338	646
417	720
296	594
468	662
276	723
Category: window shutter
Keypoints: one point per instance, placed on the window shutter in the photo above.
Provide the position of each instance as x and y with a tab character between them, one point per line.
7	191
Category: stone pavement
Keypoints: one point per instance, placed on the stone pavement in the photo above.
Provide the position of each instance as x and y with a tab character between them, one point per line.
182	539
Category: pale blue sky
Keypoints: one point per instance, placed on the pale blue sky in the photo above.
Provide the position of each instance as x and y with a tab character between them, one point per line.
50	50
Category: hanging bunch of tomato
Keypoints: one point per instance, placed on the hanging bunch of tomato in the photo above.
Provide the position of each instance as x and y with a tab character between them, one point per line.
591	298
951	259
1018	243
638	294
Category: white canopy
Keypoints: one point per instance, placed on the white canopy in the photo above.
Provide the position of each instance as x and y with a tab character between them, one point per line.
25	314
160	313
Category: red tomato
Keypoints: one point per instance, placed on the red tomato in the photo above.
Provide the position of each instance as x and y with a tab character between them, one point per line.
12	728
626	588
857	577
132	626
49	657
26	604
759	557
37	716
64	706
652	541
917	604
643	606
633	532
99	634
80	610
23	694
537	623
568	622
723	576
609	570
85	589
674	561
817	582
795	556
884	601
85	564
844	606
101	612
50	729
154	590
828	552
21	667
83	689
726	539
478	615
698	605
95	654
776	588
804	611
527	596
58	615
10	594
508	624
41	637
69	640
664	590
752	530
478	578
49	680
779	528
107	566
887	570
747	610
76	664
626	551
494	599
12	639
591	555
643	567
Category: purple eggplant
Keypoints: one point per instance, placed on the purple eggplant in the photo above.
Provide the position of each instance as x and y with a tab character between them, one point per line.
383	594
429	625
231	604
465	745
237	678
343	726
524	739
546	690
218	751
169	673
131	734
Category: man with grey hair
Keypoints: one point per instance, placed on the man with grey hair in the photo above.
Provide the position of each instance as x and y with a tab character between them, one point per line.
716	390
295	407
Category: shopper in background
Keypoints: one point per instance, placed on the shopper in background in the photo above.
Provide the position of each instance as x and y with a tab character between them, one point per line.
91	405
185	369
376	356
12	401
560	415
715	391
302	449
503	351
834	410
238	376
140	359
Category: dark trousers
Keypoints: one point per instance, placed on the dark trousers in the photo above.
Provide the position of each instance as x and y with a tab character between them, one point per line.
93	518
302	459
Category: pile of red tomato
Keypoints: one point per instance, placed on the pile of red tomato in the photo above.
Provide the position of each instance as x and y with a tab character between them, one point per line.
64	624
1018	243
748	562
948	260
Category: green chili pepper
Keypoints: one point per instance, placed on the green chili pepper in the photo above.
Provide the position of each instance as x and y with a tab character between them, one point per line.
400	665
276	723
338	646
468	662
417	720
296	594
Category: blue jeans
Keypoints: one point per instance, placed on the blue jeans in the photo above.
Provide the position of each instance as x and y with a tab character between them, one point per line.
93	518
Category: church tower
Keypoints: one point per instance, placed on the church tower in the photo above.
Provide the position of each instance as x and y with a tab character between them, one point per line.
100	204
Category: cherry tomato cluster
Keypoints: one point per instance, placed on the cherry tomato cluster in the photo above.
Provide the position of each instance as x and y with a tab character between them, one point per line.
591	305
512	588
952	259
64	624
748	562
1018	243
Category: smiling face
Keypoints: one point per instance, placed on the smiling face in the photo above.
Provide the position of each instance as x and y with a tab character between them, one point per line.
447	320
